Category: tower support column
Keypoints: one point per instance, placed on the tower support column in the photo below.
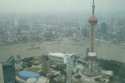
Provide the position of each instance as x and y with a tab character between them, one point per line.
92	39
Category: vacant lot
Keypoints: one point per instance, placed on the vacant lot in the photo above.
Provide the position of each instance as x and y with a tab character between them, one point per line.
104	50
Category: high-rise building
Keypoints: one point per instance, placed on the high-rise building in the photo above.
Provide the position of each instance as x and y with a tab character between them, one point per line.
7	71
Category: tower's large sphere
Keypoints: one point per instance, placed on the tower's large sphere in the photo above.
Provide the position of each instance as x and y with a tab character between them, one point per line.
93	20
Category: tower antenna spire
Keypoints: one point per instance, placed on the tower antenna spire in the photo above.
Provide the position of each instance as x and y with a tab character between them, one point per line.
93	8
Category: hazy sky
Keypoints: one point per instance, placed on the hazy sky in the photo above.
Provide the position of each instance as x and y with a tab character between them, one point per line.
28	6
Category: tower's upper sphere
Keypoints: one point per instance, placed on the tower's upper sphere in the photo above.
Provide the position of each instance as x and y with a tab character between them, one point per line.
93	20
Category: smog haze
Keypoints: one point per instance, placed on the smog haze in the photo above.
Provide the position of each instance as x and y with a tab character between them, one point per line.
58	6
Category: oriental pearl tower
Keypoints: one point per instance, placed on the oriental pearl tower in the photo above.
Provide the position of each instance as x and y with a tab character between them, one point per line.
92	21
92	68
